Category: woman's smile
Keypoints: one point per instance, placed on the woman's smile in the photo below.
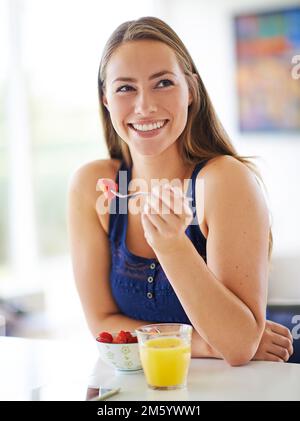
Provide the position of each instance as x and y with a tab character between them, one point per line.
147	131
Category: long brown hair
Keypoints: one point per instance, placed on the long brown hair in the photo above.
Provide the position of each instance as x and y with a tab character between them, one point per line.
203	137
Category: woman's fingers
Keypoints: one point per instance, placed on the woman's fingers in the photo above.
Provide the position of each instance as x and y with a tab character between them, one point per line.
279	351
172	201
168	208
159	219
149	228
272	357
281	330
283	341
276	343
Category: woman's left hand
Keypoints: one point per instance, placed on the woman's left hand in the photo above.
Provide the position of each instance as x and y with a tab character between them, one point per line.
276	343
165	218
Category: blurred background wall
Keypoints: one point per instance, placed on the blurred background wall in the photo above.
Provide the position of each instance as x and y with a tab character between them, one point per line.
50	53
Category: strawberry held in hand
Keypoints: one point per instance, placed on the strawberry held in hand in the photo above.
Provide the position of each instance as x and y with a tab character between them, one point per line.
107	185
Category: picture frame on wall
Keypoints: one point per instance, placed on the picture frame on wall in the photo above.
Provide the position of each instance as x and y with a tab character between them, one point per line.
267	47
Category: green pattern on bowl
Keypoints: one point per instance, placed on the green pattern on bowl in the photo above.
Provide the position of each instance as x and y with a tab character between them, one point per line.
124	357
125	349
110	355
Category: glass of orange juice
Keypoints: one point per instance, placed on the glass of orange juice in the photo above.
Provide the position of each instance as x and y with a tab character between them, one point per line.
165	351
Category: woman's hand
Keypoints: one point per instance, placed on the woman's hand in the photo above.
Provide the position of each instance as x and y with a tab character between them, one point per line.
276	343
165	218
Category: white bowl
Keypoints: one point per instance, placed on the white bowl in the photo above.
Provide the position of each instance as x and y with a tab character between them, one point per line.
123	357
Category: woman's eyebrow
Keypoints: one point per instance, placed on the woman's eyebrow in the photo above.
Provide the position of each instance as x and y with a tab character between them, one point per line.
154	76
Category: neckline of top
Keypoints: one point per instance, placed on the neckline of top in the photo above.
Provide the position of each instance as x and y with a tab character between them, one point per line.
135	257
123	166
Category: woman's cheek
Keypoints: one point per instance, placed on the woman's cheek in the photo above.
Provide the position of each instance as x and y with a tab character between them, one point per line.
119	119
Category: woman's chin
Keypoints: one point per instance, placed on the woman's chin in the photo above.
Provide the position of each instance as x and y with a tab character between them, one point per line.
143	150
149	152
149	149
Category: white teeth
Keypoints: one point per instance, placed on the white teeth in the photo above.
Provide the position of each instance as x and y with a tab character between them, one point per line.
147	127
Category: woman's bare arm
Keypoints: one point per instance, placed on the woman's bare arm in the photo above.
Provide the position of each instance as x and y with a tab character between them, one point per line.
89	245
225	298
90	254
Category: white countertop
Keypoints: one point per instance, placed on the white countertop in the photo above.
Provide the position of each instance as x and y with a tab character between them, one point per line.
33	369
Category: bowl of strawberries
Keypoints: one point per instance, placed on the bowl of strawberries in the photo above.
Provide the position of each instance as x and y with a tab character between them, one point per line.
119	350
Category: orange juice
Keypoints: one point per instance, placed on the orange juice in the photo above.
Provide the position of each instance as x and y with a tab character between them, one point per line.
165	361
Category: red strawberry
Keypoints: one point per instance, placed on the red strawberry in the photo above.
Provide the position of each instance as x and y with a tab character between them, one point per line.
121	337
105	337
128	335
106	185
132	340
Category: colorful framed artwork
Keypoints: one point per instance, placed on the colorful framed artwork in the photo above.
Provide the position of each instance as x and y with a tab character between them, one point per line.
267	46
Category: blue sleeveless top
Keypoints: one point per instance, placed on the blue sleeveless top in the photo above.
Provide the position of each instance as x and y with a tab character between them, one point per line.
139	285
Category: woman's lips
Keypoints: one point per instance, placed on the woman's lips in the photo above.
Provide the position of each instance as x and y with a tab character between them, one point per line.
149	133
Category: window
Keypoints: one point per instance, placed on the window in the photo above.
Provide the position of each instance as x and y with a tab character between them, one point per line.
49	124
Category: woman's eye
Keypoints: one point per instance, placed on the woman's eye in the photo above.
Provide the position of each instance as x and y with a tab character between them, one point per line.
166	80
121	89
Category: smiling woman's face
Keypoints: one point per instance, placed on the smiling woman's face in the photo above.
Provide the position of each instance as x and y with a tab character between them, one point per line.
146	96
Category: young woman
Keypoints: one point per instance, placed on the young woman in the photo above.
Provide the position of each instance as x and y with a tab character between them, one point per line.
208	267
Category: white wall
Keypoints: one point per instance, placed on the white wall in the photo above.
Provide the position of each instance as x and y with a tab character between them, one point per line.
206	28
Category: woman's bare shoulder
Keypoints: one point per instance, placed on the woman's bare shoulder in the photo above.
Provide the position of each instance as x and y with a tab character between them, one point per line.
225	166
84	178
226	173
227	180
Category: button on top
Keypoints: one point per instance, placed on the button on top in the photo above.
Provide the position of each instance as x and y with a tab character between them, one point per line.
150	279
152	266
149	295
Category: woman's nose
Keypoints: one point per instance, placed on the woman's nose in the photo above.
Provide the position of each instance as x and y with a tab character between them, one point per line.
145	103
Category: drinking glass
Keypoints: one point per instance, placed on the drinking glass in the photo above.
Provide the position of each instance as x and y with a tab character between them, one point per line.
165	351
